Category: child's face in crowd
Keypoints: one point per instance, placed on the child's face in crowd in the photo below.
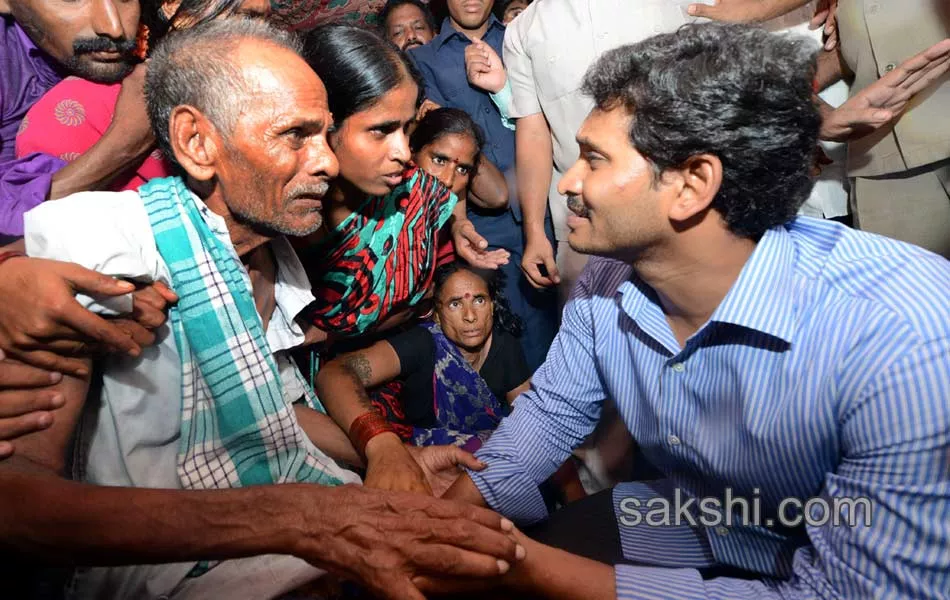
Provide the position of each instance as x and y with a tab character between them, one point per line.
373	145
464	310
450	159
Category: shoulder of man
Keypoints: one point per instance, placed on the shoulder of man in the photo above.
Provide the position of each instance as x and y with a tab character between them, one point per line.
905	283
105	231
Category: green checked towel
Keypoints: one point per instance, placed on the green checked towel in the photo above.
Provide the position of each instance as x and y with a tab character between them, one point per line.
237	429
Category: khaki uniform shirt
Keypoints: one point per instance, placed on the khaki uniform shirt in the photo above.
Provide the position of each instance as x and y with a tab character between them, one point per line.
876	36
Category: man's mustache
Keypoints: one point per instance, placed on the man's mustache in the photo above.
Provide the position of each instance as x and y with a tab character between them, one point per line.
576	206
318	190
102	44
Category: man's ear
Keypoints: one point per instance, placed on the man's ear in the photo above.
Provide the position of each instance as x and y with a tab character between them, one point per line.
697	183
193	141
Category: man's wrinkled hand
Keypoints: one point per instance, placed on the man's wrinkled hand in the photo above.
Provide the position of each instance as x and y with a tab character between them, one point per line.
26	403
732	11
384	540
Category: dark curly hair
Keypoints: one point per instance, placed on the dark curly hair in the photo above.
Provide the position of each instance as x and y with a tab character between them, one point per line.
446	121
734	91
504	319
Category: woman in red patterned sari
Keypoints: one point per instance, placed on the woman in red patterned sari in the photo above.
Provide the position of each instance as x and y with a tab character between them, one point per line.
372	263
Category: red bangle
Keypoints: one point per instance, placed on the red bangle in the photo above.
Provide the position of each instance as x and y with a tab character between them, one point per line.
5	256
365	427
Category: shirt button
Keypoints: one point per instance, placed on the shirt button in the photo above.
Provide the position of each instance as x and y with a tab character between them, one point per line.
673	440
721	530
889	67
679	367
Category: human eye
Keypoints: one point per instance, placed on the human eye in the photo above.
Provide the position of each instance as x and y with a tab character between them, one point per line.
463	170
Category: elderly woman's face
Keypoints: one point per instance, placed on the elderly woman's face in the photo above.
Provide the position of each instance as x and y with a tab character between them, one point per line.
373	145
464	310
450	159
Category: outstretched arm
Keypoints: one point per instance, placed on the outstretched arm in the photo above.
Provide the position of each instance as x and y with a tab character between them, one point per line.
488	188
880	103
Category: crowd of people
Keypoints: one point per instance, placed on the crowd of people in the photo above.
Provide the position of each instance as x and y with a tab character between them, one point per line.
506	305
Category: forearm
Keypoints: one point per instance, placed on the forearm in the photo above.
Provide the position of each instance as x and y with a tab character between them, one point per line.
327	435
535	160
464	490
61	521
489	188
829	69
559	575
96	168
342	393
771	9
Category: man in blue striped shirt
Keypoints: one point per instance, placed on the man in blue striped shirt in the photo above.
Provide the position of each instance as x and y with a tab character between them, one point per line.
794	363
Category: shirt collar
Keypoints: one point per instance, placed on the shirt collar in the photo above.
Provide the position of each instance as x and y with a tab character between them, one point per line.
762	297
46	67
447	32
292	290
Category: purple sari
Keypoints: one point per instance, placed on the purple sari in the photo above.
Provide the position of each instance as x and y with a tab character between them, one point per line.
465	407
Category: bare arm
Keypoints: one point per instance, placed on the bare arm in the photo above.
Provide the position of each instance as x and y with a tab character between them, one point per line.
534	152
488	188
342	383
380	539
745	11
64	521
97	168
327	435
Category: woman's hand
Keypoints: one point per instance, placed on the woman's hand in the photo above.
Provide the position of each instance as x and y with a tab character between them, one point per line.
442	465
390	466
472	247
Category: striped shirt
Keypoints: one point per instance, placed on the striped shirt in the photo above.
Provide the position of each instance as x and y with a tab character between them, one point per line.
824	373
